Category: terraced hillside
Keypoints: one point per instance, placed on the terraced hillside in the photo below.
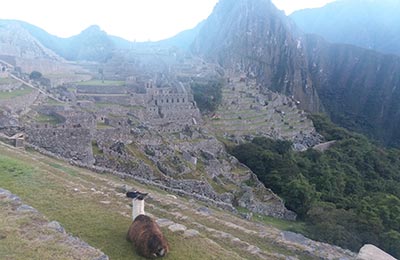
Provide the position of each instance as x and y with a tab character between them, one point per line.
94	208
244	111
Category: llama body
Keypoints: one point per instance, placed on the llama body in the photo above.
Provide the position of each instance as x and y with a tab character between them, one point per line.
144	233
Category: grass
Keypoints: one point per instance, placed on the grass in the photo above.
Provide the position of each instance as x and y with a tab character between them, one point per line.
102	125
108	104
21	233
6	81
74	197
48	185
52	102
286	225
15	93
102	83
137	153
47	119
96	149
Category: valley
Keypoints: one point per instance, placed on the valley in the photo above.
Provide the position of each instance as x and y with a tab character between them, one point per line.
226	125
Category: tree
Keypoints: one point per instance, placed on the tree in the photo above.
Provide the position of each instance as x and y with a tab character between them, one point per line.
35	75
299	195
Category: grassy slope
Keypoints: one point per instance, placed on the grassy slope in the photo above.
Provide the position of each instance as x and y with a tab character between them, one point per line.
88	206
16	93
102	83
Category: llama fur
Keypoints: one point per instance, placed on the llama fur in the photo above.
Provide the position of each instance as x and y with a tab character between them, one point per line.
144	233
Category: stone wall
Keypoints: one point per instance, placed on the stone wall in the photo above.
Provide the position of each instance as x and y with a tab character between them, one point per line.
70	143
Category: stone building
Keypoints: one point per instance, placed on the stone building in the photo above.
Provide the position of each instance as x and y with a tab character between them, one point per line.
170	109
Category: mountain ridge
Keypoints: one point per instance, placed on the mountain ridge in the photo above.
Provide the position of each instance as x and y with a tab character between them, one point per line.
369	24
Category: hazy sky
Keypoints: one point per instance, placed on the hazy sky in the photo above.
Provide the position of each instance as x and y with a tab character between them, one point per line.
139	20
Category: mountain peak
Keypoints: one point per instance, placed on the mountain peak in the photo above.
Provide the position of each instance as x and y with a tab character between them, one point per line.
93	29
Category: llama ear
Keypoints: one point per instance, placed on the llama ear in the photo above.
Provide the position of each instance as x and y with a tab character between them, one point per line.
136	195
132	194
141	196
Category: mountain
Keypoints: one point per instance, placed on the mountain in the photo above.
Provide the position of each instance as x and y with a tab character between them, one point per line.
358	88
255	38
372	24
183	40
16	41
92	44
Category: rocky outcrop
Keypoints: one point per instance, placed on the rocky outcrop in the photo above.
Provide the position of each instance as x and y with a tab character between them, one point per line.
253	37
326	251
371	252
359	88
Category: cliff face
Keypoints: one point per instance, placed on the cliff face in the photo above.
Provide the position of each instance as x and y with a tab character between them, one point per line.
253	37
359	88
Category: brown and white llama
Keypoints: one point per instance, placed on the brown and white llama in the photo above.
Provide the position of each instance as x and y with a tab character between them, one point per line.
144	233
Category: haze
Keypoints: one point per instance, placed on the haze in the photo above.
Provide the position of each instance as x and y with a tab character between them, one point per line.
134	20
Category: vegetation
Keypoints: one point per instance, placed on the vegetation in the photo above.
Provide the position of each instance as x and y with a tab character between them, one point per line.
15	93
102	83
48	119
348	195
4	81
208	95
66	194
35	75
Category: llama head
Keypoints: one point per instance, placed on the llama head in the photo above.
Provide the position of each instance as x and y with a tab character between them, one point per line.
158	245
136	195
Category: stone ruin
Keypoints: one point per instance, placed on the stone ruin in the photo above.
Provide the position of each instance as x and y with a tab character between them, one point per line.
71	138
171	109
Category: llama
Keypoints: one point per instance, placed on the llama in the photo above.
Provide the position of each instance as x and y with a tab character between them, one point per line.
144	233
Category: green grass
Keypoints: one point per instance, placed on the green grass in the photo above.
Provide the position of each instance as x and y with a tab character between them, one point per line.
96	149
286	225
68	170
49	186
108	104
102	125
4	81
15	93
47	119
101	83
52	102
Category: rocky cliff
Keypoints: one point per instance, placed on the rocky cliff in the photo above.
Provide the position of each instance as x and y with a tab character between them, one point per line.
253	37
358	88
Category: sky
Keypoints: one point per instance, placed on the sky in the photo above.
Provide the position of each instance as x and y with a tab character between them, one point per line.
135	20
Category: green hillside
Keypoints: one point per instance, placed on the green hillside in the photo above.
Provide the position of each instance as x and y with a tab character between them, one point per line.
94	208
348	195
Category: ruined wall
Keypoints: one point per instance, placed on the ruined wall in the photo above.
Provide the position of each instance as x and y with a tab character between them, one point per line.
72	143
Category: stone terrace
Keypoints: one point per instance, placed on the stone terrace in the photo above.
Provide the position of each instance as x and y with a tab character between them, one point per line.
244	111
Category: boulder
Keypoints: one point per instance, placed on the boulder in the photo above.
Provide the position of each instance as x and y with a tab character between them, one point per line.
371	252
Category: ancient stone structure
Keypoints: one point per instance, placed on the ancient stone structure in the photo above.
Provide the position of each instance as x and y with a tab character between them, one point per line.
72	143
171	109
